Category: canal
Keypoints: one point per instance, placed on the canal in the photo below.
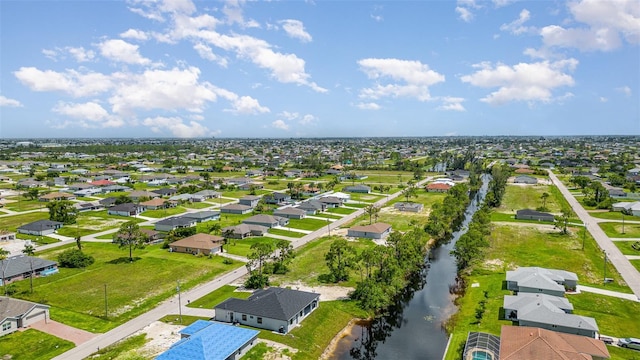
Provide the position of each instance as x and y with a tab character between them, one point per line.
414	327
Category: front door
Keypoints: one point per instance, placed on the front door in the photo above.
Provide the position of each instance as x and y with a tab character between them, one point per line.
231	317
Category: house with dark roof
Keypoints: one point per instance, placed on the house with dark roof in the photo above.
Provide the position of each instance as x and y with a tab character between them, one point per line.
277	198
127	209
242	231
249	200
290	213
198	244
374	231
175	222
19	267
40	227
364	189
108	202
532	343
207	340
274	308
236	209
16	314
528	214
208	194
165	191
331	201
201	216
139	194
269	221
88	206
525	179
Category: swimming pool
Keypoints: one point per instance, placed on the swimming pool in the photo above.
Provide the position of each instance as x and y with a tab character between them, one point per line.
481	355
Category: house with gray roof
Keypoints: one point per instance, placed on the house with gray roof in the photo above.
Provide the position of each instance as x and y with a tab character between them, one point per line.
312	206
40	227
166	191
277	198
249	200
201	216
236	209
269	221
290	213
528	214
19	267
16	314
364	189
127	209
242	231
374	231
540	280
208	194
525	179
274	308
175	222
408	206
331	201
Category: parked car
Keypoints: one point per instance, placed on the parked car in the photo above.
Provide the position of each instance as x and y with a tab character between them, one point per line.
631	343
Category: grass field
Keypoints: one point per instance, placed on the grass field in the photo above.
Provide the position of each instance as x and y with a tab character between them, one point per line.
132	288
342	211
328	216
613	215
214	298
87	223
282	232
615	317
398	221
614	230
12	223
423	197
528	197
198	205
307	224
160	213
32	345
124	349
237	194
625	247
370	198
242	247
22	204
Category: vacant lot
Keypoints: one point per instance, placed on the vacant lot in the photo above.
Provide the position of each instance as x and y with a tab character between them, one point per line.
619	230
529	197
242	247
214	298
613	215
93	222
32	345
12	223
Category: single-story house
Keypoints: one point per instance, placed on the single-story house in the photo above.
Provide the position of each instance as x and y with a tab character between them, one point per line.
166	191
438	187
108	202
207	340
290	213
140	194
528	214
152	235
236	209
16	314
40	227
340	195
249	200
239	181
312	207
155	204
274	308
524	342
524	171
242	231
88	206
202	216
198	244
7	236
102	182
514	304
266	220
56	196
87	192
277	198
252	185
615	192
115	188
19	267
525	179
373	231
208	194
175	222
408	206
127	209
331	201
541	280
358	189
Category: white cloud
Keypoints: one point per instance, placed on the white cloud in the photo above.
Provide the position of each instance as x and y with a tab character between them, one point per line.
50	54
149	13
71	81
625	90
177	127
517	27
206	52
135	34
289	115
465	14
368	106
81	54
603	99
233	11
308	119
280	124
295	29
6	102
603	39
452	104
178	6
531	82
86	115
501	3
122	51
414	76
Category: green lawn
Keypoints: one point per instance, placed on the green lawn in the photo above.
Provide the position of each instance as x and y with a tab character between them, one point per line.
41	240
614	230
132	288
242	247
307	224
625	247
356	205
12	223
636	264
32	345
398	222
612	215
160	213
422	197
340	210
237	194
214	298
618	353
370	198
22	204
328	216
528	197
93	222
316	331
124	349
198	205
615	317
496	216
288	233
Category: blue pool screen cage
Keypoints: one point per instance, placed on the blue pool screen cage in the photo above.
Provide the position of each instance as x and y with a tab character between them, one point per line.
481	346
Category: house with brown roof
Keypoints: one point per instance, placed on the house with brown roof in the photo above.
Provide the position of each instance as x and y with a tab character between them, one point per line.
438	187
198	244
16	314
374	231
56	196
155	204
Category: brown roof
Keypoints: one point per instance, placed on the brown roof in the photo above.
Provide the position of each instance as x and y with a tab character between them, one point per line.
199	241
524	171
438	186
55	195
154	202
530	343
373	228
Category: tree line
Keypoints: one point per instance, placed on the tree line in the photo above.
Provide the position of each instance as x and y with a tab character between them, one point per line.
445	218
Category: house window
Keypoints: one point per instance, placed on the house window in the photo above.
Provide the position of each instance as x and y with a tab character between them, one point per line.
290	321
6	326
244	317
259	320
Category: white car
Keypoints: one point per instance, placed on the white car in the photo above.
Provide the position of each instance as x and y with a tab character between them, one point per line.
631	343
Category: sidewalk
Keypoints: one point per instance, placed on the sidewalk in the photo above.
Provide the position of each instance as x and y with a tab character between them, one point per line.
589	289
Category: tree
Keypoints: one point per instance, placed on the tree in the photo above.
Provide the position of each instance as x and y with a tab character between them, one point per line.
32	193
563	220
261	253
62	211
340	257
74	258
227	234
283	257
30	251
215	228
123	199
3	256
409	191
372	211
544	198
130	236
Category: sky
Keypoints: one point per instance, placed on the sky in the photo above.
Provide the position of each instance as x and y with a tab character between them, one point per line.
286	69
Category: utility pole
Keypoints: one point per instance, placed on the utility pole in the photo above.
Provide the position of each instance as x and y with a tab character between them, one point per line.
622	212
179	301
329	226
584	235
604	281
106	304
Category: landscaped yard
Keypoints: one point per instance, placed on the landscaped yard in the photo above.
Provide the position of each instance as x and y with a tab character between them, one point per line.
132	288
242	247
614	230
214	298
32	345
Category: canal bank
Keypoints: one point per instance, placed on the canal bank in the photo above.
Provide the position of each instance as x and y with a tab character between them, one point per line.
414	327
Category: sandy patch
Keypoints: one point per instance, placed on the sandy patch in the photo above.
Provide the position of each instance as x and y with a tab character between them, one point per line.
160	337
278	351
327	293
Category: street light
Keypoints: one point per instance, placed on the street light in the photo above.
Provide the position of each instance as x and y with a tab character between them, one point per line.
179	301
584	235
604	280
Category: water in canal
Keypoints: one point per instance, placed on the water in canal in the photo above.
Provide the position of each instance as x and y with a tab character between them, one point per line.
414	328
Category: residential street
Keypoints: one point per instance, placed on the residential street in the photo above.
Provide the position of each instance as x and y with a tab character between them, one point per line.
628	272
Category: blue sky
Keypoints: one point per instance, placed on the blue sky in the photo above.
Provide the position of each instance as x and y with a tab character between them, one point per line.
176	68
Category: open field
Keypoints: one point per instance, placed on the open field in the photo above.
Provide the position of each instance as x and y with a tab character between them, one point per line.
288	233
214	298
241	247
613	215
198	205
370	198
328	216
12	223
423	197
307	224
237	194
340	210
614	230
160	213
22	204
87	223
625	247
519	197
132	288
615	317
399	221
32	345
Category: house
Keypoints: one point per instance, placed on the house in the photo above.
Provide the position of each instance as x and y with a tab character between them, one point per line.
236	209
208	194
244	230
140	194
274	308
364	189
528	214
17	314
56	196
331	201
88	206
251	186
521	303
40	227
166	191
277	198
198	244
127	209
525	179
615	192
186	198
531	343
438	187
312	207
108	202
408	206
87	192
207	340
239	181
102	182
115	188
290	213
524	171
202	216
6	236
154	204
19	267
152	235
266	220
541	280
340	195
175	222
373	231
249	200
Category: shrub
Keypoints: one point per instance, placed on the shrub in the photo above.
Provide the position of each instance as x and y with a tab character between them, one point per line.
74	258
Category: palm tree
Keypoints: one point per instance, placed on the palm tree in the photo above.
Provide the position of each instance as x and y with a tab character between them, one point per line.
29	250
227	234
544	197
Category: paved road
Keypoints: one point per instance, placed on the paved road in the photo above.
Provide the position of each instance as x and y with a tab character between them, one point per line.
628	272
589	289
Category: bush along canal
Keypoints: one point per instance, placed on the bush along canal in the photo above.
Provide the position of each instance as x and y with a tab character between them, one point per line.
413	327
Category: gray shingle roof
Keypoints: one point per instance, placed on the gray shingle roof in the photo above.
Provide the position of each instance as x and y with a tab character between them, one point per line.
16	265
40	225
14	308
274	303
